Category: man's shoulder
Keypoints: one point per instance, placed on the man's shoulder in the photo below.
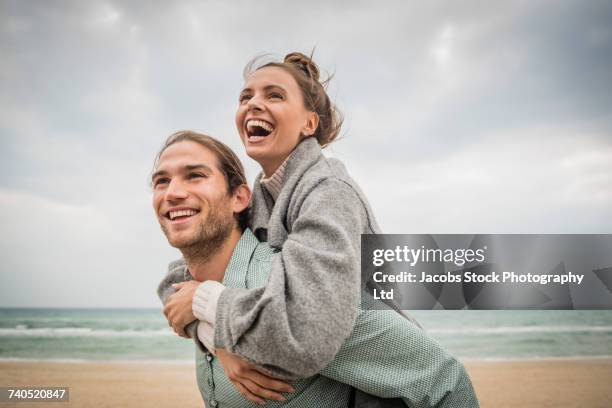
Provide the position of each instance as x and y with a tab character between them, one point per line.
262	252
178	265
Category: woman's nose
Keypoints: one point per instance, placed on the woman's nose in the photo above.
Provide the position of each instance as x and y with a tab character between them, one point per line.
255	104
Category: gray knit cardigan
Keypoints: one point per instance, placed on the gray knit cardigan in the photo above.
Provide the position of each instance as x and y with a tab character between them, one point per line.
295	325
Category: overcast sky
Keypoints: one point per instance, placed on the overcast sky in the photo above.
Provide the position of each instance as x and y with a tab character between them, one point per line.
461	117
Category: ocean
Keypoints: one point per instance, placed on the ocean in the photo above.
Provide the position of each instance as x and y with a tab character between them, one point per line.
143	334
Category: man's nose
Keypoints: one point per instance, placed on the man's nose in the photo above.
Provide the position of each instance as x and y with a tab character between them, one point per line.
176	191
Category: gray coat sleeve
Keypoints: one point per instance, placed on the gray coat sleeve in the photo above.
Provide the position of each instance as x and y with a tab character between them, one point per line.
295	325
176	274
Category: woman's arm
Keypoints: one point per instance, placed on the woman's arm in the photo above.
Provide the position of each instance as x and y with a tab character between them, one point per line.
165	289
294	326
252	384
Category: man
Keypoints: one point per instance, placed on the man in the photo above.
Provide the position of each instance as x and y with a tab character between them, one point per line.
200	197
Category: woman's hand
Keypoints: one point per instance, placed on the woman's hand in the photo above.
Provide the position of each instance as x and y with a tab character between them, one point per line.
252	383
178	309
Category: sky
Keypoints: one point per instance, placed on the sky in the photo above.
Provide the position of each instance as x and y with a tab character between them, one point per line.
470	117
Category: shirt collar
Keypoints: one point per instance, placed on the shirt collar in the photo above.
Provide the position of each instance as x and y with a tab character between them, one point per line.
236	271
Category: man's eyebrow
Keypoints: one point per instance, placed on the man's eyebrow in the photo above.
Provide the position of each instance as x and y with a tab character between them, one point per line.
198	166
158	173
187	167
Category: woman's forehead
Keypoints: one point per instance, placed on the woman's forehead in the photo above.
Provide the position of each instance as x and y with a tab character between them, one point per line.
270	76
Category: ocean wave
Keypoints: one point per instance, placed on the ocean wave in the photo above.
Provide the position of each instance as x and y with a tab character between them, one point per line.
22	331
584	357
106	361
520	329
190	362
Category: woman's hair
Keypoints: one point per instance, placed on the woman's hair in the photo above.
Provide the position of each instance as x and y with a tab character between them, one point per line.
229	164
314	91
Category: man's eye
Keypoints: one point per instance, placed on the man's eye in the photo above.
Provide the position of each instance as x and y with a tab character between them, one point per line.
160	181
195	175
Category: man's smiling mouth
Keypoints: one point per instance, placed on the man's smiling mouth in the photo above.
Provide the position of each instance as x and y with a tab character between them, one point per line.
180	214
257	129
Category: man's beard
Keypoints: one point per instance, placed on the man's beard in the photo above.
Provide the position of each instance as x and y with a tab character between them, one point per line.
208	237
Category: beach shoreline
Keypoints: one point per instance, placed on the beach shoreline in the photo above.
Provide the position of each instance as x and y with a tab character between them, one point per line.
554	382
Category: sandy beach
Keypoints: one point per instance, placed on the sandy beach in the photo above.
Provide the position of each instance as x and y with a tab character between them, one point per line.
548	383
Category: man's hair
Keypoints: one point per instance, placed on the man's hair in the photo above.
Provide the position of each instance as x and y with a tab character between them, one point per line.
229	164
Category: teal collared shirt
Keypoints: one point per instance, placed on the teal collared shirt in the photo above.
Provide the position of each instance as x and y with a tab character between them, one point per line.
386	355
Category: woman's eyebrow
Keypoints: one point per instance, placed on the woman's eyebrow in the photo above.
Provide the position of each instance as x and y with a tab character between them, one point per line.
266	88
271	87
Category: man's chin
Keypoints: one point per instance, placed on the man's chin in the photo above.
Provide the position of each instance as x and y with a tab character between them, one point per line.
181	243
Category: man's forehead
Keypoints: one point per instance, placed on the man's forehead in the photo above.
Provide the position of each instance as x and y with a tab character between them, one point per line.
187	154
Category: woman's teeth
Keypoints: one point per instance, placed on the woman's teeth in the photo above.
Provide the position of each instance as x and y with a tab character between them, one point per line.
256	138
258	129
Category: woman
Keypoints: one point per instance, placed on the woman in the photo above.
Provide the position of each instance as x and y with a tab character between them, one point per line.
304	205
307	208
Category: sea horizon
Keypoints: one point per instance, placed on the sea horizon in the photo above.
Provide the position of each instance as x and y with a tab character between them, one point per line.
140	334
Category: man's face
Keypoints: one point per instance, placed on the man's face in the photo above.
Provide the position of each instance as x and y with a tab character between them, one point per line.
190	196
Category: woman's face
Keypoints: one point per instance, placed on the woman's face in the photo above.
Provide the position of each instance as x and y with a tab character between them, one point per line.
271	117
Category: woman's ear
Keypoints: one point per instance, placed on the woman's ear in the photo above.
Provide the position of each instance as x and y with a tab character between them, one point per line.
241	198
312	122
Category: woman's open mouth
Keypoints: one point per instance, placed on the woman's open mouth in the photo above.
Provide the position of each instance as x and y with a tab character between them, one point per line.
257	130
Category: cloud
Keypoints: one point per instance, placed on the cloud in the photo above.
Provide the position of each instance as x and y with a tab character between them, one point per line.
459	118
526	181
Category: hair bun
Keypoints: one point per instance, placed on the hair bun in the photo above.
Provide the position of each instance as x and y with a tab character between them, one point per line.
304	64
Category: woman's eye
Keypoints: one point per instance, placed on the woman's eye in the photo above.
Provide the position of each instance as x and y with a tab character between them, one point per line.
244	98
275	95
195	175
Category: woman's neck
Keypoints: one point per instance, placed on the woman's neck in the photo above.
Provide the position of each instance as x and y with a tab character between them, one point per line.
270	168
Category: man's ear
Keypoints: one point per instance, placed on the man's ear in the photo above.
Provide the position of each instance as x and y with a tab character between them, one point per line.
241	198
312	122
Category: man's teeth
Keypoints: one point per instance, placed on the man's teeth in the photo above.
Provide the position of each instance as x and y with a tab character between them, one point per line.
181	213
